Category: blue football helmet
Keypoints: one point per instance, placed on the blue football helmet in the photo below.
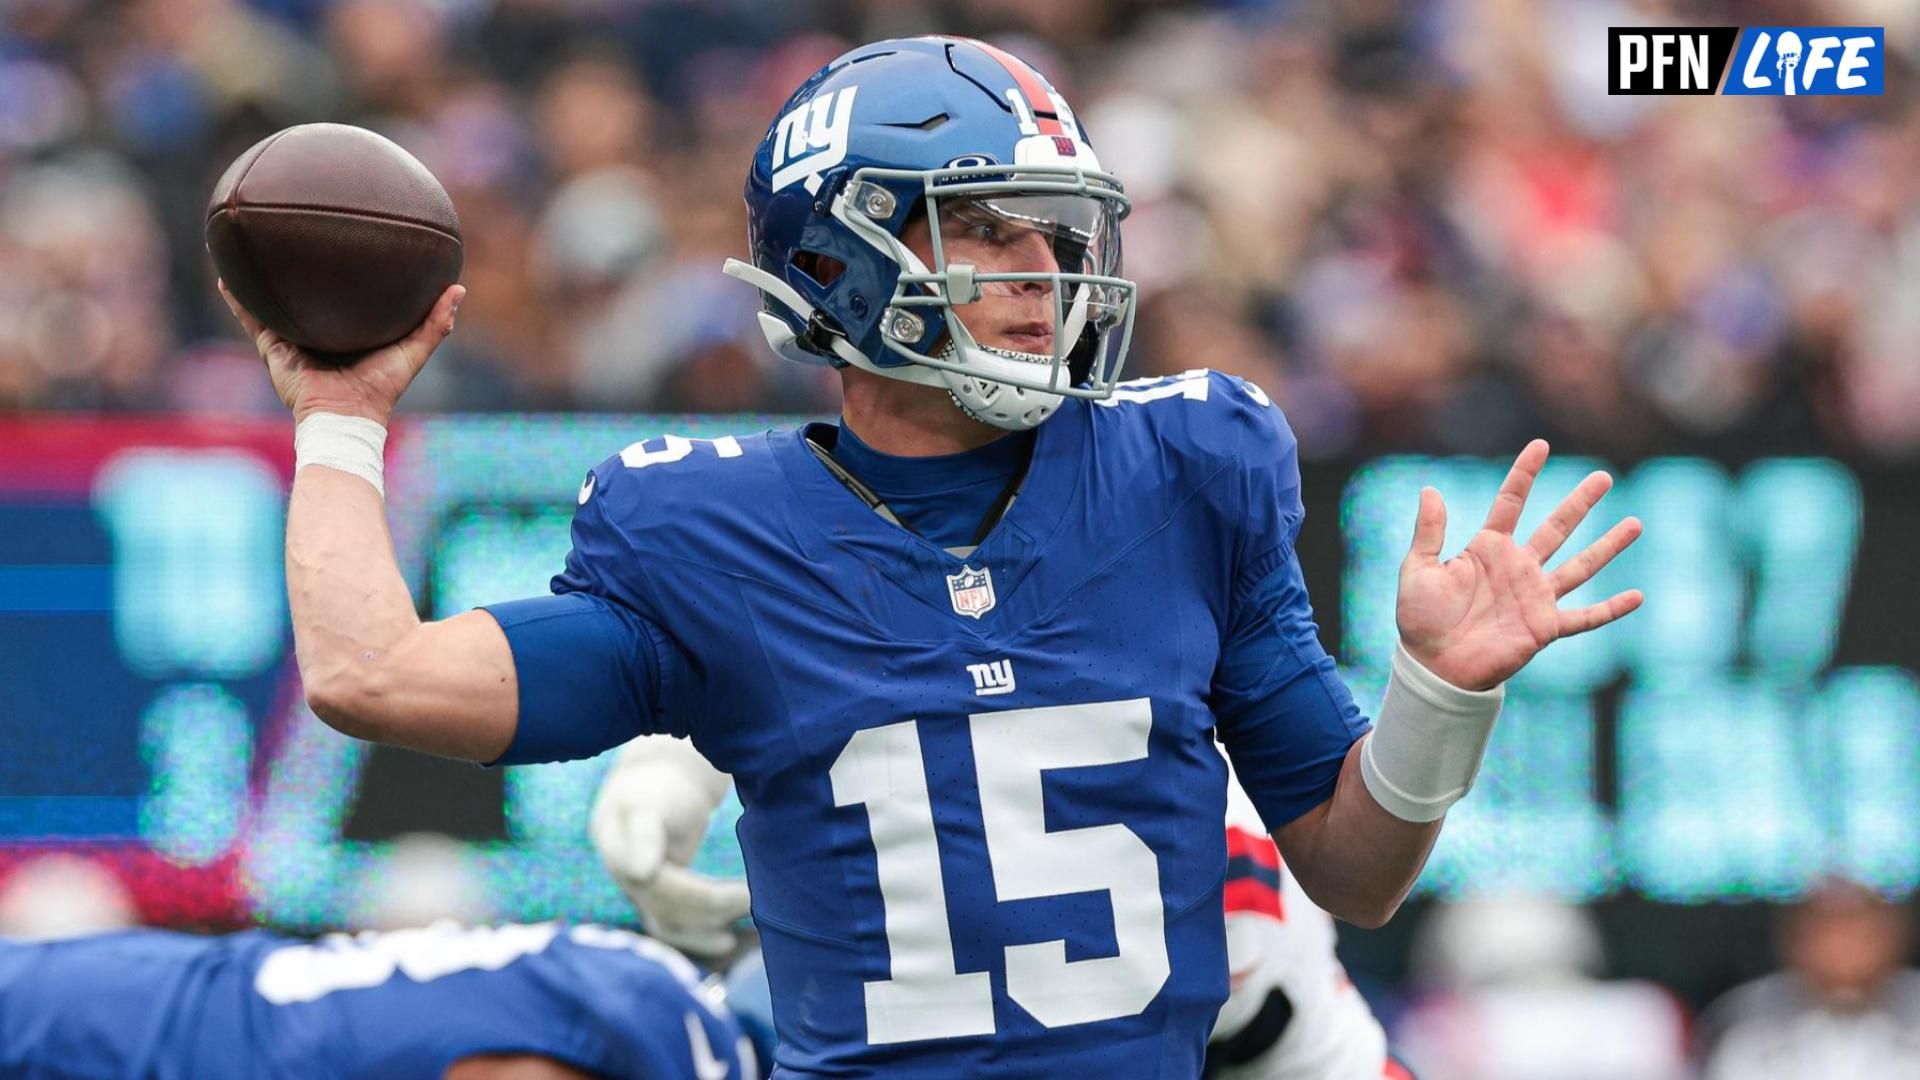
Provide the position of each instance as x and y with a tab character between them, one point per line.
966	135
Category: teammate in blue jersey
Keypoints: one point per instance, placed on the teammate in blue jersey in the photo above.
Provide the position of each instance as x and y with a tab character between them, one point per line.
965	653
516	1002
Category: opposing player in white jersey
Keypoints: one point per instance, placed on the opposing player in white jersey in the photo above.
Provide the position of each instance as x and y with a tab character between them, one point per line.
1291	1013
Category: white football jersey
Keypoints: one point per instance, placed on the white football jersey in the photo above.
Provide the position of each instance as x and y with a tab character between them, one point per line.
1278	939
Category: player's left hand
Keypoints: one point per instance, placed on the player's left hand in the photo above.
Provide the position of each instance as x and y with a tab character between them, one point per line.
1477	618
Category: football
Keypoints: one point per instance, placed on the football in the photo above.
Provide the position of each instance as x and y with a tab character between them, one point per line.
333	237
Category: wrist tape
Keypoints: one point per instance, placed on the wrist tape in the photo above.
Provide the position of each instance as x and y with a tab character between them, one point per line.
1427	742
351	444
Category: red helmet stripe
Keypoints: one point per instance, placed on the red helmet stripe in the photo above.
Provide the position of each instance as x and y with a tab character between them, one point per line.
1031	85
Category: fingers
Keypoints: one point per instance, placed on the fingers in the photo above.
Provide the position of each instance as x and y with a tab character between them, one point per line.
1594	616
633	844
426	337
247	322
1430	527
1504	515
694	899
1580	569
1568	515
692	911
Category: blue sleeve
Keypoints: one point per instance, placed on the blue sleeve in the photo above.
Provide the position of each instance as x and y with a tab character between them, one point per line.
589	676
594	670
1285	716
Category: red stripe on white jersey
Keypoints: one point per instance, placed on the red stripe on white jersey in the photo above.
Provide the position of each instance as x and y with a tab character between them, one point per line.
1256	846
1251	896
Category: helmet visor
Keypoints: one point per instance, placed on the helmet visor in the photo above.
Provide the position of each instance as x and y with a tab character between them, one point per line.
1032	234
1033	277
1024	275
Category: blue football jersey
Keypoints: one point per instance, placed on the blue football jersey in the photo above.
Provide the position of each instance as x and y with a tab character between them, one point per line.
153	1005
983	811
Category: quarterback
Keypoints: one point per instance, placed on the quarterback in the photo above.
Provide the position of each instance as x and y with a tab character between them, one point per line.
967	652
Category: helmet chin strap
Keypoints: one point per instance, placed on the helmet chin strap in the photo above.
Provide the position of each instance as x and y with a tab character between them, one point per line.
1005	405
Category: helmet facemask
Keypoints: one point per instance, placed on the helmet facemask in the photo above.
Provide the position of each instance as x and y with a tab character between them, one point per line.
1034	257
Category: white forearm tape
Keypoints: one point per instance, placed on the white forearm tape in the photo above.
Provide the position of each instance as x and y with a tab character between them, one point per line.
352	444
1427	742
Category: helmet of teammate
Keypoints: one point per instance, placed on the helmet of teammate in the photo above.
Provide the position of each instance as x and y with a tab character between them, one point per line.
961	134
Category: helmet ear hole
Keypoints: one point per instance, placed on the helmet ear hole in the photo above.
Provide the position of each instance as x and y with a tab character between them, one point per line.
822	270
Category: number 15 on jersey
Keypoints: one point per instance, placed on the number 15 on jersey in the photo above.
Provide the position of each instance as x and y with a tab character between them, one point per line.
926	997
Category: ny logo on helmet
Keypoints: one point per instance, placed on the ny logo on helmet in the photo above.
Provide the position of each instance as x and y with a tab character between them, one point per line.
812	139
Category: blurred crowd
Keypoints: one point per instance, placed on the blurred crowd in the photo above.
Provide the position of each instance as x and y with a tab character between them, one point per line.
1420	225
1516	988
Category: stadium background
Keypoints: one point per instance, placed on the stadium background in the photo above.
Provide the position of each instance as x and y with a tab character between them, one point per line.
1422	227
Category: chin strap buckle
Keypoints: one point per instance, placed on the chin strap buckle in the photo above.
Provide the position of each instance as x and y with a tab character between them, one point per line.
820	334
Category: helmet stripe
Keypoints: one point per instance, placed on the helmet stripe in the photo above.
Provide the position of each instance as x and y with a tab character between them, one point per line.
1031	85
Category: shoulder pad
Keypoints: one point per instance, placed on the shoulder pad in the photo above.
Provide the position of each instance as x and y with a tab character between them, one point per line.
674	472
1204	417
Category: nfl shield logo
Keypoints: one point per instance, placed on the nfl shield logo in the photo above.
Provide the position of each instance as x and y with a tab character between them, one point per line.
972	591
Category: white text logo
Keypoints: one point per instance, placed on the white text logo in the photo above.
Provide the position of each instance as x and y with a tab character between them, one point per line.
812	139
991	679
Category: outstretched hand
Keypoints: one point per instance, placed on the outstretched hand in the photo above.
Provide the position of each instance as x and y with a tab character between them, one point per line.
1477	618
370	386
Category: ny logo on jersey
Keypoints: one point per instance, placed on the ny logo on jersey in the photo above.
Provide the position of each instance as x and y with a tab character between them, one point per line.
812	139
991	679
971	591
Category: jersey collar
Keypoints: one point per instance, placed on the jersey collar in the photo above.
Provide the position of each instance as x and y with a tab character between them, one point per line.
845	520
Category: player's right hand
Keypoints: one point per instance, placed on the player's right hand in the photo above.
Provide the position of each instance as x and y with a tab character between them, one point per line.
649	820
368	387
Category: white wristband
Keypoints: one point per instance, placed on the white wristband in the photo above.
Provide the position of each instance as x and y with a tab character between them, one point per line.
351	444
1427	742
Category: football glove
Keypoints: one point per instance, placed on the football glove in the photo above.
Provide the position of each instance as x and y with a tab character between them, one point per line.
649	820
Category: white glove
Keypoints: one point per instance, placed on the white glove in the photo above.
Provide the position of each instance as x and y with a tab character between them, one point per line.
649	820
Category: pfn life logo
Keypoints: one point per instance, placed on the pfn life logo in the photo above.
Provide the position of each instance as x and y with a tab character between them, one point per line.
1755	60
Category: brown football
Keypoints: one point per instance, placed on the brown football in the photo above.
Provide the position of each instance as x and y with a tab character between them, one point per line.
333	237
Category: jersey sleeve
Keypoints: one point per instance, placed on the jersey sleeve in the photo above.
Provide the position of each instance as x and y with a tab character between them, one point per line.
1285	716
594	670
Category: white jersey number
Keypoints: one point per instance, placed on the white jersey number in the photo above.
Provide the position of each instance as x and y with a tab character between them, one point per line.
299	973
673	448
927	998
